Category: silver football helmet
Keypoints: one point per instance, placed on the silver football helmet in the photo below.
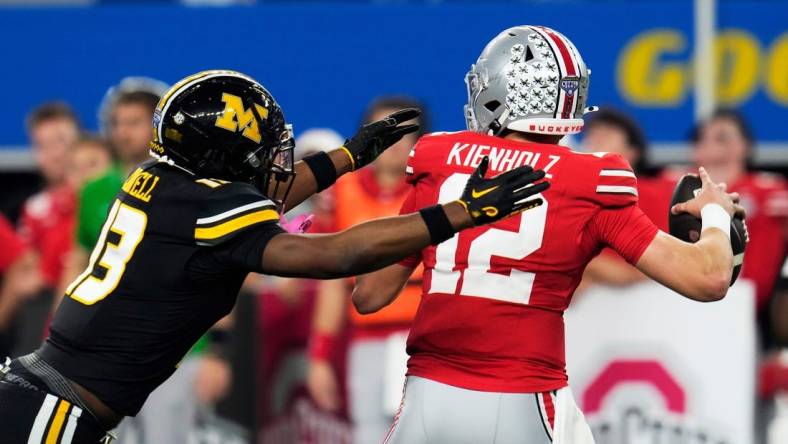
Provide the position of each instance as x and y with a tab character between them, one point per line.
530	79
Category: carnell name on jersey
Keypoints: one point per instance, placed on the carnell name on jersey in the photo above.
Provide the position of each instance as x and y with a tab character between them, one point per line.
491	316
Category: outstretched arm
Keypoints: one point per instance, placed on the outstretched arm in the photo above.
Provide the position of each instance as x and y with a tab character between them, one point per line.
699	271
360	249
318	172
305	183
373	245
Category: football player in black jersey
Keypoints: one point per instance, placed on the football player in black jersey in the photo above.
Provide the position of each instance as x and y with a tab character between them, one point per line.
184	232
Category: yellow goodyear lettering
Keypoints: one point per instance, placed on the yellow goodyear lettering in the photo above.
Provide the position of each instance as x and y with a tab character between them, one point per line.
235	117
646	80
737	58
776	73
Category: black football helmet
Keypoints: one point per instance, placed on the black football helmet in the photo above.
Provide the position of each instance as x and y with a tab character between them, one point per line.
224	125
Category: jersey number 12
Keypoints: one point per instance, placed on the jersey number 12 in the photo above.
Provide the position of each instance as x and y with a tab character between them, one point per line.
478	280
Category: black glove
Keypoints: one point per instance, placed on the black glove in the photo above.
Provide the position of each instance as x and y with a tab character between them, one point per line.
373	138
489	200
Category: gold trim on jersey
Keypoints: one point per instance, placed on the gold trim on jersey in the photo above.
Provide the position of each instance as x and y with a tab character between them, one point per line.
232	225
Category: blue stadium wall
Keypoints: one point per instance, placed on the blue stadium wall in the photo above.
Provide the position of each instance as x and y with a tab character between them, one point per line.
325	61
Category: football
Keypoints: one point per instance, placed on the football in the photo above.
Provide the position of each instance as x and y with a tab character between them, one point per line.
687	227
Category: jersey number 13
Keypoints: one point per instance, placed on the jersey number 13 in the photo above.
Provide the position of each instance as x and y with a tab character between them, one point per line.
128	224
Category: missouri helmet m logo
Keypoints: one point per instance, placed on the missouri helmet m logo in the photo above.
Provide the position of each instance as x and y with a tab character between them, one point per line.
237	118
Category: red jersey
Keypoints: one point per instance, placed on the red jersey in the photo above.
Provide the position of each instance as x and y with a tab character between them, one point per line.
765	198
491	315
654	194
47	223
12	245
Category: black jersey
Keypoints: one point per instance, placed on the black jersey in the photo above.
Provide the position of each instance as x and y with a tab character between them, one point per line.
169	263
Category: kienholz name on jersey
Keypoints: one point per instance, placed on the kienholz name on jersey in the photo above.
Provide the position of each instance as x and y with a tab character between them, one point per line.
501	159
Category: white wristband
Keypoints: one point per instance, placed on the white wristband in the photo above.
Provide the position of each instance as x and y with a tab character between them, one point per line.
712	215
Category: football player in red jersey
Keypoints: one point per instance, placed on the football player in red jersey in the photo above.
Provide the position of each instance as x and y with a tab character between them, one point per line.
487	345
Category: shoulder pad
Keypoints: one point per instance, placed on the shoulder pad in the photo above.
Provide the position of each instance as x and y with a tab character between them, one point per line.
614	183
229	208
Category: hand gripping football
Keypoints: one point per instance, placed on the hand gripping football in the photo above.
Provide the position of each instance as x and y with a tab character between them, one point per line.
687	227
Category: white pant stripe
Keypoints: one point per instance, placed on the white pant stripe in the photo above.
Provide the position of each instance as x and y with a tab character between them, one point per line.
543	411
71	425
42	419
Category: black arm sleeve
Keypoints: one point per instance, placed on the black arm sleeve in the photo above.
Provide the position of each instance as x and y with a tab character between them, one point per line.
243	252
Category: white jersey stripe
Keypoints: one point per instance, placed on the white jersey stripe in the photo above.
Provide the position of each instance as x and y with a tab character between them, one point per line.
234	211
42	419
618	173
409	169
71	425
619	189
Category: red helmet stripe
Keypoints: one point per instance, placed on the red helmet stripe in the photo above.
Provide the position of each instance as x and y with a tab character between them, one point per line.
571	70
559	104
568	61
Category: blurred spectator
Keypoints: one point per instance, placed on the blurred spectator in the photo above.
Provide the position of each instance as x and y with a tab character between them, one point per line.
47	219
773	380
373	192
315	140
612	131
129	129
92	157
779	309
19	280
125	115
310	142
723	144
288	414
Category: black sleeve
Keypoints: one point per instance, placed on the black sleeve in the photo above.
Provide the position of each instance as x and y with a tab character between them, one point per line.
230	210
242	252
